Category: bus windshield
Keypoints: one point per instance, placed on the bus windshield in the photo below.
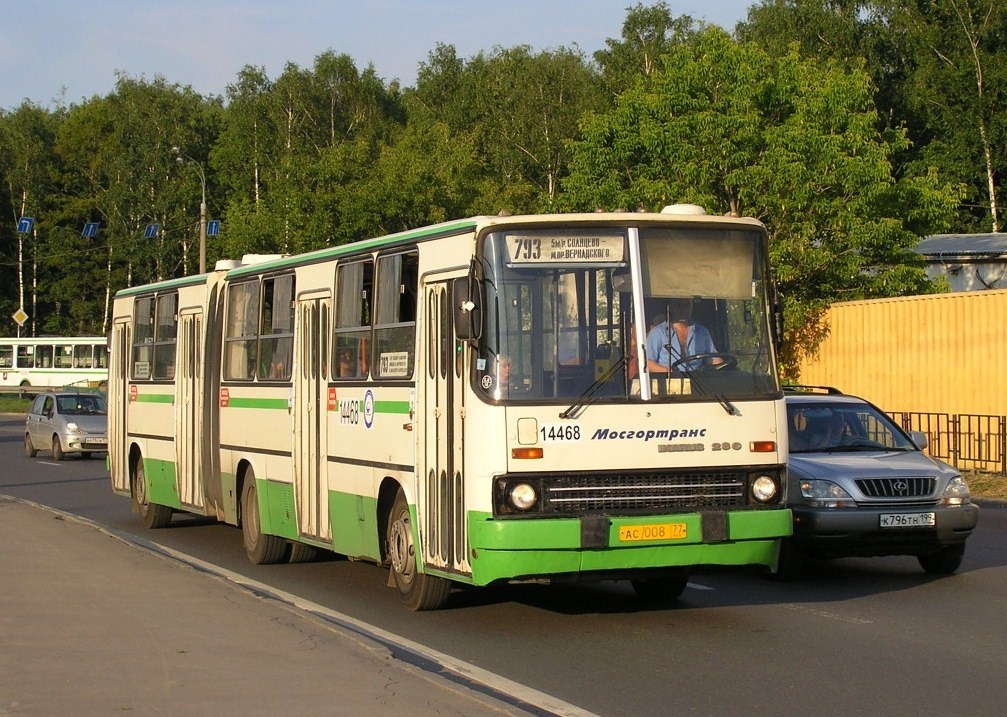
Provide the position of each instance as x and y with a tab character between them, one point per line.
562	308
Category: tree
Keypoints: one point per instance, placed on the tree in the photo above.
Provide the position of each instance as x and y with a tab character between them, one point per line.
648	33
120	170
956	84
788	140
281	139
518	109
26	161
940	69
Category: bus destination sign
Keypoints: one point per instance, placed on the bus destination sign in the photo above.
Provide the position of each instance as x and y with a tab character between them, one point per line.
565	249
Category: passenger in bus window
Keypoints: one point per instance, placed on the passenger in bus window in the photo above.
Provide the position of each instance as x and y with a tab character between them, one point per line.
352	360
345	367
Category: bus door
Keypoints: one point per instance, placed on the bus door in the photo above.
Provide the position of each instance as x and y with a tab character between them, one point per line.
441	498
310	414
118	394
188	413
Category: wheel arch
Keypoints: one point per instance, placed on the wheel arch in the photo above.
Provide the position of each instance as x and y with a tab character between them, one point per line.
135	456
387	491
240	472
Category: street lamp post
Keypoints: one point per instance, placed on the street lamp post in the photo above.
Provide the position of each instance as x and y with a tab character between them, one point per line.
181	157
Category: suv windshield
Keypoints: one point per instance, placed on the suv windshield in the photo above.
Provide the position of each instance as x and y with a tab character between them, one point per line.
561	308
822	426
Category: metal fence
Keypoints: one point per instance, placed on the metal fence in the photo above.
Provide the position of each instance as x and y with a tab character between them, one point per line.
967	441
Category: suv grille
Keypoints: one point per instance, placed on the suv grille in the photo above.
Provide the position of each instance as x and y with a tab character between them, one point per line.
643	493
897	487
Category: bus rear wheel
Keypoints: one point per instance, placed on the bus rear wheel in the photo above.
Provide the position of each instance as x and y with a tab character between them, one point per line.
419	591
261	549
152	515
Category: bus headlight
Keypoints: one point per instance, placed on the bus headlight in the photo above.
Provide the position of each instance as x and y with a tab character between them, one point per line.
764	489
523	496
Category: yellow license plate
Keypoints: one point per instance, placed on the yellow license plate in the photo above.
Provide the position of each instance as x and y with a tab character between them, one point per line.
660	531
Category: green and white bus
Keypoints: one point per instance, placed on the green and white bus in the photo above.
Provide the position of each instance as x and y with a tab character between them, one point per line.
467	403
53	361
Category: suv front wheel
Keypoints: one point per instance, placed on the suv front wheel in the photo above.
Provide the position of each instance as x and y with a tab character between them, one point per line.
945	561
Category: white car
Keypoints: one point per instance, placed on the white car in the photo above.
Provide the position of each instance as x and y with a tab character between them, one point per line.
66	422
860	486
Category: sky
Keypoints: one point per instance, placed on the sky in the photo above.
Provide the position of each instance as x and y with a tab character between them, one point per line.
64	52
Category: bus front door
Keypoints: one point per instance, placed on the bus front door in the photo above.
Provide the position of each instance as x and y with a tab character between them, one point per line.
310	381
441	497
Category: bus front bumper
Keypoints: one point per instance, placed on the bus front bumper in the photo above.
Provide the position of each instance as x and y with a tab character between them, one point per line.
544	547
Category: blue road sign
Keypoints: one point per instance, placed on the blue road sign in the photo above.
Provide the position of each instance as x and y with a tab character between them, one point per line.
90	230
213	228
25	224
151	231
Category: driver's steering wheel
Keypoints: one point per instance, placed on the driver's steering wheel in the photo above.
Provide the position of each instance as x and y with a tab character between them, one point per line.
728	362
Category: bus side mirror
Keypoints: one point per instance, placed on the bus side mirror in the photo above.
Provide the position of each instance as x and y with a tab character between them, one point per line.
776	307
468	309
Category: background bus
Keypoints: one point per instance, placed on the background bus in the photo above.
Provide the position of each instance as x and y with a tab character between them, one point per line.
53	361
458	402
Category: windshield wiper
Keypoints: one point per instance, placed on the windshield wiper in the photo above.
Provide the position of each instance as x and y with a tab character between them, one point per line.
586	398
731	409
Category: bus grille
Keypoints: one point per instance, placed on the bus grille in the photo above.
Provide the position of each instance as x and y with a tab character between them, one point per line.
919	487
643	493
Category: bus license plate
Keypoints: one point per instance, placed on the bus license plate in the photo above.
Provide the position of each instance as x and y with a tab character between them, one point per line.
660	531
908	520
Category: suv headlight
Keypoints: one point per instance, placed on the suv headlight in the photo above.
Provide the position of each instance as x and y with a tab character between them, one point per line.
826	494
957	492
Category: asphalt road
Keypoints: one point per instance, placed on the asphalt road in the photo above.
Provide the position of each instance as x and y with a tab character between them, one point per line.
858	636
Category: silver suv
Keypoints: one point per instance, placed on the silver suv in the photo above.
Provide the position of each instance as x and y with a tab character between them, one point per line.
860	486
66	422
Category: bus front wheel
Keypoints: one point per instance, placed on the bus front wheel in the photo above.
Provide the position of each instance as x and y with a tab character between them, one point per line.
152	515
419	591
261	549
663	587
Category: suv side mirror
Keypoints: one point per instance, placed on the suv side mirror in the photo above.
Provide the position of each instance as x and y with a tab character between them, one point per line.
920	439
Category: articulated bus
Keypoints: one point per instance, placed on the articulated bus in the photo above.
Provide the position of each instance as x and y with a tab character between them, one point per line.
468	403
51	361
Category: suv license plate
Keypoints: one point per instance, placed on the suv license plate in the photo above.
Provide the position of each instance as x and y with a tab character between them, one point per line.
908	520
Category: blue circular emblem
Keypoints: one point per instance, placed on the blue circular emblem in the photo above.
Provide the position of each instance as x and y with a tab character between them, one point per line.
368	409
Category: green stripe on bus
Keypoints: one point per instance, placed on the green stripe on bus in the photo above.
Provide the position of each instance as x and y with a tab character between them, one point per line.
154	398
273	404
391	406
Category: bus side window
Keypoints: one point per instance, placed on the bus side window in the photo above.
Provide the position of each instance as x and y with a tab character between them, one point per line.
143	338
241	331
395	314
82	356
165	335
276	335
352	325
